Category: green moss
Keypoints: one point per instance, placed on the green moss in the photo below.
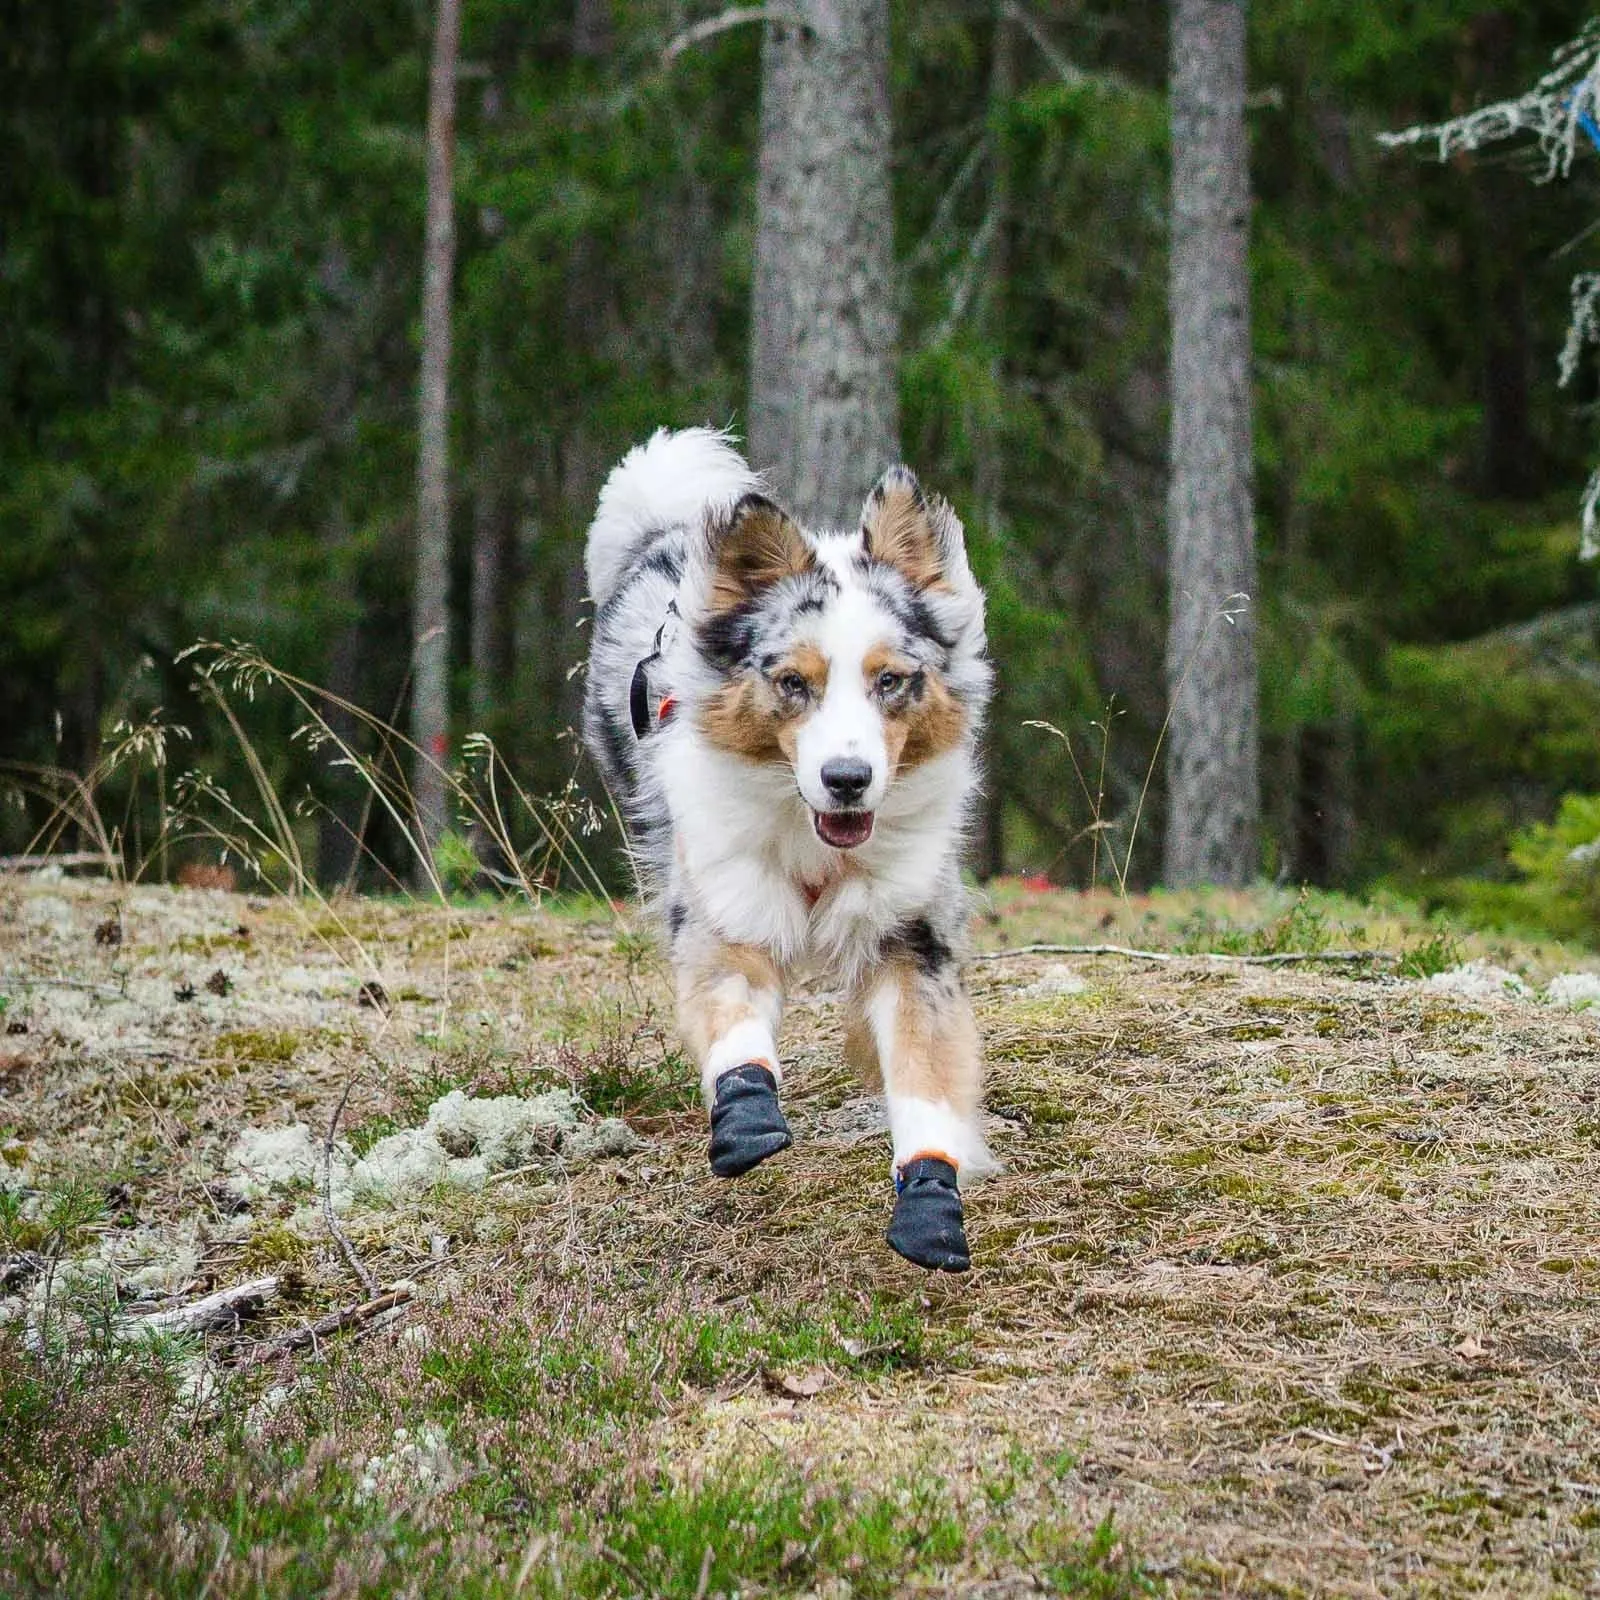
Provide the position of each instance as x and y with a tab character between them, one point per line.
258	1045
206	944
275	1247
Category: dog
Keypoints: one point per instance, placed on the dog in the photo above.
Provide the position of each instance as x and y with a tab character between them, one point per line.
788	720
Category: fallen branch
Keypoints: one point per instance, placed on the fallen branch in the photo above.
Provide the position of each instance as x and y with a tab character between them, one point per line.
1282	959
348	1317
221	1312
73	858
733	17
26	980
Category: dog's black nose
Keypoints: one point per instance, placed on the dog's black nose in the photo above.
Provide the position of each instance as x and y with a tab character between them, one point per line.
846	779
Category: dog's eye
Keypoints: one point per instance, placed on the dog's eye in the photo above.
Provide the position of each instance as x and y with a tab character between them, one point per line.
889	682
792	686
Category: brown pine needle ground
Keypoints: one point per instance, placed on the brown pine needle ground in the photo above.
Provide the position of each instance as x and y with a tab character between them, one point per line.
1293	1272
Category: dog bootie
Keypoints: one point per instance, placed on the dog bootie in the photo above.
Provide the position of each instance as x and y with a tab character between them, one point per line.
747	1122
926	1227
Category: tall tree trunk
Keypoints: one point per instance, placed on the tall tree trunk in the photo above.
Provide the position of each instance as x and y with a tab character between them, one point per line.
492	500
1214	801
989	474
824	409
491	542
430	694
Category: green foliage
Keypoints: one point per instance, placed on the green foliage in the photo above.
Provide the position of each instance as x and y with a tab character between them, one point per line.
1557	887
770	1526
1436	952
208	368
1470	743
456	862
1303	927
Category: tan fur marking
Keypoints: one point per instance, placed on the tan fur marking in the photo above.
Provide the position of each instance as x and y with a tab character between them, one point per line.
741	719
899	533
762	546
719	991
932	725
746	718
937	1054
861	1051
923	728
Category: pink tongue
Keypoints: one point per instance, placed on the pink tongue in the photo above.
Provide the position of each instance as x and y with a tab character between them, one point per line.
844	829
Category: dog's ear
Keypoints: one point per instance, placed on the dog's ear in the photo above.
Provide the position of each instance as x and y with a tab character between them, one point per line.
922	538
752	547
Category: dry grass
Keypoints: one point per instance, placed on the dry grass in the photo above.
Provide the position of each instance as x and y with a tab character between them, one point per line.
1292	1272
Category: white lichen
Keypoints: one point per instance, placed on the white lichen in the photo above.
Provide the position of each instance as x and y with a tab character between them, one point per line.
269	1161
418	1466
464	1140
1577	991
1479	980
1052	983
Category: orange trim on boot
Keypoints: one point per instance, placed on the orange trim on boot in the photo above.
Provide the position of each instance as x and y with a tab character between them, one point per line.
927	1155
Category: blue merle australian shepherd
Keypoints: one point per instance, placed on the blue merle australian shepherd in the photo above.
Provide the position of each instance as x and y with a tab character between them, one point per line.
788	719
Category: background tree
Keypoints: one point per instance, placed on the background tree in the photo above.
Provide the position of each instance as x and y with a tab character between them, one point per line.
1213	788
824	406
212	264
430	694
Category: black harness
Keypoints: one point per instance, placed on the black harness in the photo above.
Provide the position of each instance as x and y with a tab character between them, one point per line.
646	721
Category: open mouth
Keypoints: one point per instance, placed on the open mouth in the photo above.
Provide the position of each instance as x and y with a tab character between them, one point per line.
844	830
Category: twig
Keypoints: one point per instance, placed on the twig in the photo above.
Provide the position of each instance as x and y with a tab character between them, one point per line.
733	17
705	1573
516	1172
332	1323
346	1249
26	980
537	1546
615	1555
71	858
1070	74
216	1313
1283	959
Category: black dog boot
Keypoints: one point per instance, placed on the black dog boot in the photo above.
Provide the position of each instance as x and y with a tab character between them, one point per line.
926	1227
747	1122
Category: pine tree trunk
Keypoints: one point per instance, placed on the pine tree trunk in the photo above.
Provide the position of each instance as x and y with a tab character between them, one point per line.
430	694
824	409
492	498
491	547
1213	803
989	473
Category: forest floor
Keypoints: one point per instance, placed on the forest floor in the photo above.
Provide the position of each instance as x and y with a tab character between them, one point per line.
1290	1285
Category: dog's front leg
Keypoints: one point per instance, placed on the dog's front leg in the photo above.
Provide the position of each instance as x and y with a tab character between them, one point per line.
730	1000
918	1020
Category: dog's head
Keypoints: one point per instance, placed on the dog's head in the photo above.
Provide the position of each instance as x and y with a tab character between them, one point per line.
852	658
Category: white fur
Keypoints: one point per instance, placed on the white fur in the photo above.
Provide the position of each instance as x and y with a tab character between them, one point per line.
743	1043
846	723
670	480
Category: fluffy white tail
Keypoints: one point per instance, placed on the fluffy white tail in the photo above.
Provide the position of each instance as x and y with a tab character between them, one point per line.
666	482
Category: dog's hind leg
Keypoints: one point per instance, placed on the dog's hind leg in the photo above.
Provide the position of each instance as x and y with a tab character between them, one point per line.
730	1000
919	1019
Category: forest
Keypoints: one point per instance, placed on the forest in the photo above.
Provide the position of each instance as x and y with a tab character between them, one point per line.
1165	1166
212	313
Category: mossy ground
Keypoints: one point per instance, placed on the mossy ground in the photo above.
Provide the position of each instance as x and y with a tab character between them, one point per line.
1289	1286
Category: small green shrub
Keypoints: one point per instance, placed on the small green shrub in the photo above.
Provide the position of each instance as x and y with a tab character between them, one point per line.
1436	952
